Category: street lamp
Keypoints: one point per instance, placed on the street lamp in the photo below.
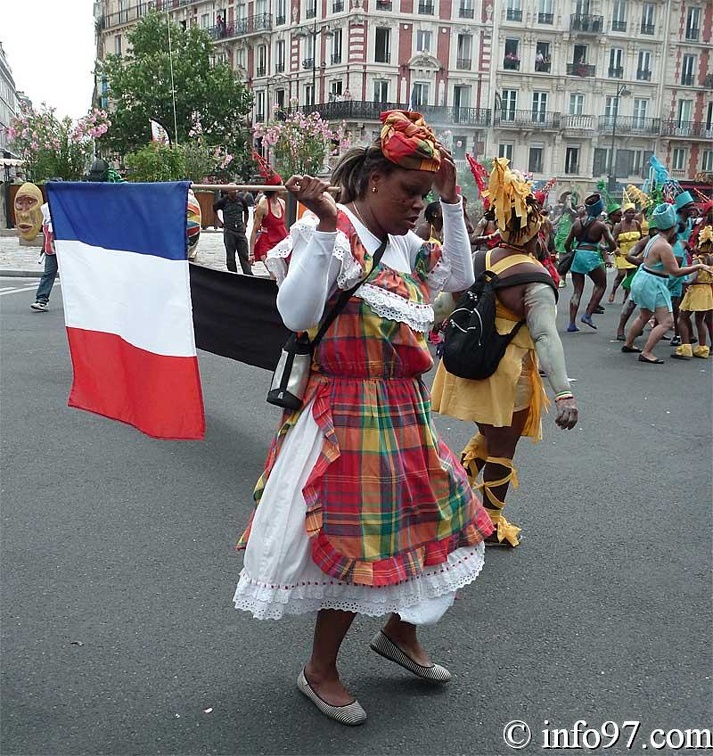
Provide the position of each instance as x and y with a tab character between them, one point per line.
313	33
622	91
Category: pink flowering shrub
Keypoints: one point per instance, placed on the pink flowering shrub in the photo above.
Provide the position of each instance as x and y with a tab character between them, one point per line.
52	147
301	143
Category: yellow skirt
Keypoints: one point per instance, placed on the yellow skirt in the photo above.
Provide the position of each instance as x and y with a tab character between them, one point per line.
492	401
698	298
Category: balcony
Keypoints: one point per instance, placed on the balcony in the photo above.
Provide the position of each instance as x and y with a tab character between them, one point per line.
513	14
260	71
583	23
425	9
126	16
337	6
572	169
511	63
242	26
577	123
527	119
466	12
687	80
464	64
260	117
382	58
691	129
629	125
618	26
279	68
616	72
384	5
648	28
308	64
581	69
643	75
543	66
336	58
356	110
310	11
546	18
692	34
279	20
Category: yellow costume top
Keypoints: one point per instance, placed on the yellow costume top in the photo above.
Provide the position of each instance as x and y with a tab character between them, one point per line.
516	382
626	241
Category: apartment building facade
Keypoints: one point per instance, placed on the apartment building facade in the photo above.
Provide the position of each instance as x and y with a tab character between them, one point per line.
8	99
576	89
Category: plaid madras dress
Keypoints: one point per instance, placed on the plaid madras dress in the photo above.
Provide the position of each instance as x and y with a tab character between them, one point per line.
386	498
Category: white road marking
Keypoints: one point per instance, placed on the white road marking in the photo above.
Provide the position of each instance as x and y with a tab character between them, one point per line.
17	289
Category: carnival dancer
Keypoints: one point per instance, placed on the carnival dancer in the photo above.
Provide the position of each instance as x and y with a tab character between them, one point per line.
650	289
588	260
361	507
635	257
626	233
268	224
698	299
431	229
510	403
685	212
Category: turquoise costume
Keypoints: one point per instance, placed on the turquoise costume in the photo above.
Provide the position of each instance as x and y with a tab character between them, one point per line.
650	289
675	284
586	258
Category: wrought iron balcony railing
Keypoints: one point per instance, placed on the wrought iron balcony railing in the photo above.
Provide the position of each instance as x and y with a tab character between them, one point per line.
616	72
337	6
629	125
577	122
581	69
279	67
648	28
242	27
538	119
384	5
692	33
308	64
464	64
336	59
425	8
513	14
695	129
543	66
687	80
260	71
466	12
360	110
310	11
279	20
586	24
511	64
643	75
382	58
618	26
545	18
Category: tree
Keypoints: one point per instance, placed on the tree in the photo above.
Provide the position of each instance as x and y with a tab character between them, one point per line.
206	94
53	147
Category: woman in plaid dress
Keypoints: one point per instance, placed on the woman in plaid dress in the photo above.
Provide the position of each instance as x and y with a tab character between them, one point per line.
362	508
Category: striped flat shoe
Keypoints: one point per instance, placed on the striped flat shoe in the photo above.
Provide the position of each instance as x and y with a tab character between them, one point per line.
384	646
352	714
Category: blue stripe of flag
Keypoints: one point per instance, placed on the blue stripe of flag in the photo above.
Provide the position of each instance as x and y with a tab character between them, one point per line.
146	218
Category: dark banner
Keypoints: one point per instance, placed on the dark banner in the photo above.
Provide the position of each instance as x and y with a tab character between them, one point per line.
237	317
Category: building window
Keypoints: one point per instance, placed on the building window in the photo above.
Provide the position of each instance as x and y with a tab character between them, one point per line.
688	70
505	150
707	160
260	106
693	24
616	65
466	9
335	91
117	44
281	11
423	41
576	104
678	162
464	52
611	108
461	99
643	69
205	20
648	19
545	12
261	61
508	104
420	93
618	19
459	147
601	161
535	162
513	12
511	61
280	99
309	94
641	108
539	107
381	90
571	160
311	9
641	163
425	7
280	56
383	40
543	60
709	117
337	47
685	111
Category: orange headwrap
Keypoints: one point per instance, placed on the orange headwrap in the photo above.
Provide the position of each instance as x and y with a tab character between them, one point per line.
407	141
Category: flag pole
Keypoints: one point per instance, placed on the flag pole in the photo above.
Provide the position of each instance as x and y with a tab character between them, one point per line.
173	87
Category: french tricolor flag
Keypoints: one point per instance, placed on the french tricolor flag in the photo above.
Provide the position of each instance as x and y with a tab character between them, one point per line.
122	253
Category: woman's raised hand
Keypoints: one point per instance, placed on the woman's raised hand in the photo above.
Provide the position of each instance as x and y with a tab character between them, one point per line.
314	195
445	180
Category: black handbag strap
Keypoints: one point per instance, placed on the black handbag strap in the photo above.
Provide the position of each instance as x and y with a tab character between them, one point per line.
346	295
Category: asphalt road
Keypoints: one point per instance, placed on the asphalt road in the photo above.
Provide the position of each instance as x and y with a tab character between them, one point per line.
118	570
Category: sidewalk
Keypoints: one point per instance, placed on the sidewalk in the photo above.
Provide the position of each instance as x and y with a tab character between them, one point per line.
23	261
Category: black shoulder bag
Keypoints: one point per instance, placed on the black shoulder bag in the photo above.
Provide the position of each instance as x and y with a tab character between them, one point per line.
291	375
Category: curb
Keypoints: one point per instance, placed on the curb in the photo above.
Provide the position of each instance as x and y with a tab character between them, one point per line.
20	273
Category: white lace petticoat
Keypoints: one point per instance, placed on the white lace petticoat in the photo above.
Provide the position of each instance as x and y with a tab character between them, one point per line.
279	576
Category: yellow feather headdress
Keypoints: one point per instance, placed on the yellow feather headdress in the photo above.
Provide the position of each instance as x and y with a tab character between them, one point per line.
509	193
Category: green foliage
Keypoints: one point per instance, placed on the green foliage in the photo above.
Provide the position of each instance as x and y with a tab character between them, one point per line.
156	162
211	102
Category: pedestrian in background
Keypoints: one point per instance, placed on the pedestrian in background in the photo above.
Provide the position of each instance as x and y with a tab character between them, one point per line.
42	297
236	212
